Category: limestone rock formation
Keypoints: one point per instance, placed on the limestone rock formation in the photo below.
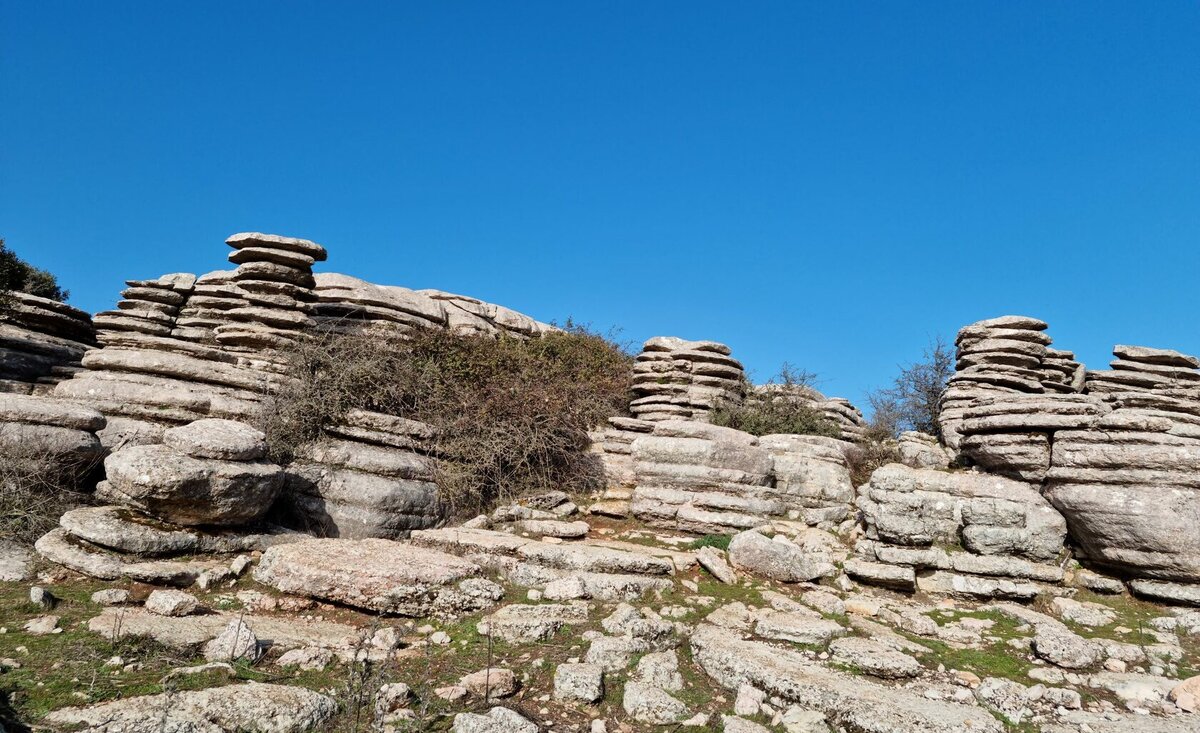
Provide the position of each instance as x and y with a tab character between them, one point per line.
179	483
967	533
1114	451
675	379
41	343
704	478
345	303
53	441
372	476
1001	357
173	500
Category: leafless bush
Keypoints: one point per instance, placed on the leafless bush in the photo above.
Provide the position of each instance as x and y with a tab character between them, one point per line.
36	487
782	405
510	415
913	400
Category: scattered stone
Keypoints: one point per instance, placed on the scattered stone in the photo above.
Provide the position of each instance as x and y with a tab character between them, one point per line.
490	683
713	560
649	704
579	681
236	642
307	658
42	625
874	658
497	720
42	598
16	562
111	597
660	669
172	603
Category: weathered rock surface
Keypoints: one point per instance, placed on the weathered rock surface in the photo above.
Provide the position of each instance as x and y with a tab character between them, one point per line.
182	489
250	707
374	574
702	478
846	701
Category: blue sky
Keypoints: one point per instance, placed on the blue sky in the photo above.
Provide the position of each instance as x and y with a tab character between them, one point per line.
828	184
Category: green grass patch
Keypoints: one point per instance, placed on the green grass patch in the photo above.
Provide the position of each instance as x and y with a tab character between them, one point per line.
719	541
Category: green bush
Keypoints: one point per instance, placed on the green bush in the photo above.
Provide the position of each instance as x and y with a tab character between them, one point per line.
20	276
511	416
719	541
782	406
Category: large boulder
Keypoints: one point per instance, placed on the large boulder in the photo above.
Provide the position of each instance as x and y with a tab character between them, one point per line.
168	483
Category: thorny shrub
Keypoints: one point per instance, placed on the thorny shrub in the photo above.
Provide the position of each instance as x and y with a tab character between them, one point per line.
783	405
511	416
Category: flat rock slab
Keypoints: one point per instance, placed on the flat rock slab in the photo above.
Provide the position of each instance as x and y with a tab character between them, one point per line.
186	632
213	438
248	708
122	529
58	546
848	702
589	558
378	575
48	411
16	562
462	539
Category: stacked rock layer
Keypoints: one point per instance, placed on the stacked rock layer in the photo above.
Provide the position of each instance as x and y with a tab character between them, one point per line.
703	478
1129	484
961	533
48	442
1116	451
999	358
41	343
845	417
348	304
370	477
675	379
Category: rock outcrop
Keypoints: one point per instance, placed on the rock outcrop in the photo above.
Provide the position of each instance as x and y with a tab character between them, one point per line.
674	379
200	492
704	478
1114	451
372	476
962	533
41	343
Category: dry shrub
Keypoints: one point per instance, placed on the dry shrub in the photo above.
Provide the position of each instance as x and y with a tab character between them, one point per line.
783	405
36	487
866	456
511	415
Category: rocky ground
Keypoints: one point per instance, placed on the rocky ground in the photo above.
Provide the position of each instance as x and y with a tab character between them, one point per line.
534	621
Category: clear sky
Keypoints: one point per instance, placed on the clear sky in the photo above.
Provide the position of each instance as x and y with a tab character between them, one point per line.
827	183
